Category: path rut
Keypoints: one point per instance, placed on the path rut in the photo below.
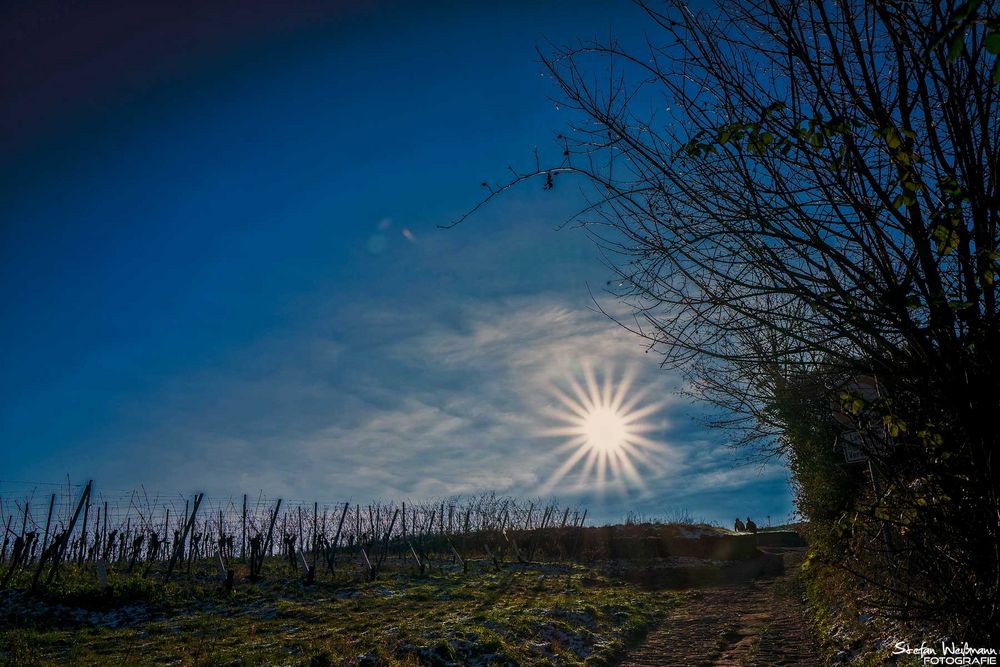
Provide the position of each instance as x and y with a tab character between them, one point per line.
762	622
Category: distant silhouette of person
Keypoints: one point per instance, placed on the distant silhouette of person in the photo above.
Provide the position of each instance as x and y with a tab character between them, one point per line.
751	526
738	526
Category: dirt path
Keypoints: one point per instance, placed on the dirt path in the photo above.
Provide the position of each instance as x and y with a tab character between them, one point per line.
757	623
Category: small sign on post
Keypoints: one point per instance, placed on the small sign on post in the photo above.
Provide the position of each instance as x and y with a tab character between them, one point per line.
850	444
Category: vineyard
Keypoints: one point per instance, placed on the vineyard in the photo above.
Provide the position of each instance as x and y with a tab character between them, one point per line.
92	578
157	537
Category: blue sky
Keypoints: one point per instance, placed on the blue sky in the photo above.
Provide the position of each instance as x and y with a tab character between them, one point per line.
221	268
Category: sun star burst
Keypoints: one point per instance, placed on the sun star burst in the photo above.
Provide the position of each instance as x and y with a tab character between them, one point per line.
604	427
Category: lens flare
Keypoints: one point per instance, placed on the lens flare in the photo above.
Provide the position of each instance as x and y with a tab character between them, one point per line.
603	425
605	430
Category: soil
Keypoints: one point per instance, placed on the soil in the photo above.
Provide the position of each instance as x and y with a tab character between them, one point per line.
758	622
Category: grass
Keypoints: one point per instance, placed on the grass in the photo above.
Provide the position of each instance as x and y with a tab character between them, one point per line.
832	601
530	615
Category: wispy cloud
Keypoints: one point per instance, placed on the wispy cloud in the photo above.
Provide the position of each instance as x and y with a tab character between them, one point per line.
425	392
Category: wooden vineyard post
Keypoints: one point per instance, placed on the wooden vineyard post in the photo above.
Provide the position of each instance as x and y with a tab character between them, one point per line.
18	550
368	564
270	530
331	556
221	565
83	532
193	539
372	520
226	577
179	546
559	535
315	541
536	534
385	545
305	567
97	534
63	541
6	538
465	532
299	510
104	532
48	521
243	533
416	557
24	518
184	523
458	557
166	531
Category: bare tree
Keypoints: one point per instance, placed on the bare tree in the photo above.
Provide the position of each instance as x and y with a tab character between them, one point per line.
799	189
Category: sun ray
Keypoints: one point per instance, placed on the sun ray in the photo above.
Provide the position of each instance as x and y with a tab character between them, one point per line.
628	468
621	391
638	415
646	443
581	395
606	432
602	470
567	465
634	452
575	406
588	468
592	391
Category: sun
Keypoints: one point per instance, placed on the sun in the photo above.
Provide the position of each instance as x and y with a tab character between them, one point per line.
605	427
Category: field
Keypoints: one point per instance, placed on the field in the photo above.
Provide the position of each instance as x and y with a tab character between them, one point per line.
522	614
93	580
480	581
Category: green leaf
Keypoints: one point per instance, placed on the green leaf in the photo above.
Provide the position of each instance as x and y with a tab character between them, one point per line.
967	9
946	237
992	42
892	138
957	44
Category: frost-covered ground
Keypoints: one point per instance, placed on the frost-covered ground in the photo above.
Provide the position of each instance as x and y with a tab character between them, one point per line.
524	614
